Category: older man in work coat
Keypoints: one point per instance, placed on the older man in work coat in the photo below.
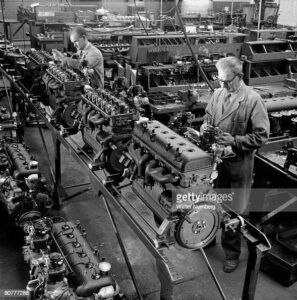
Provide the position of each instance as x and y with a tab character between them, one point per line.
241	114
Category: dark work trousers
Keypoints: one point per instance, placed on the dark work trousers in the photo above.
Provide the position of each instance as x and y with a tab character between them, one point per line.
235	178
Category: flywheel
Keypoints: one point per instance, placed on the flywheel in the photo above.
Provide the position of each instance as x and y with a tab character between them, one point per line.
199	227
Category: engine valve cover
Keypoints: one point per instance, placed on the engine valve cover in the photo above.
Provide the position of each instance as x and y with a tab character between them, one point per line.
90	277
23	163
171	148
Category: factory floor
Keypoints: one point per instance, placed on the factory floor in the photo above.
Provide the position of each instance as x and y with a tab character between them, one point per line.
90	210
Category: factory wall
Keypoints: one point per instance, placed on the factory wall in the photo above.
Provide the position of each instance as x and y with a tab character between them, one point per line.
288	12
11	6
201	6
206	6
118	6
124	6
127	7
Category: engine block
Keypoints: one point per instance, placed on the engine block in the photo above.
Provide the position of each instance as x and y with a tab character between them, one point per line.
24	194
107	126
69	78
23	163
166	168
40	57
115	111
10	126
180	156
91	274
64	88
63	263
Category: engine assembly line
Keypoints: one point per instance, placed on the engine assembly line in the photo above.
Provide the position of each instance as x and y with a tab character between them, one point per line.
151	147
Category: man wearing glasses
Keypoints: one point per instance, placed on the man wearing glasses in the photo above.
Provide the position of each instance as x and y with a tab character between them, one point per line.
242	116
90	59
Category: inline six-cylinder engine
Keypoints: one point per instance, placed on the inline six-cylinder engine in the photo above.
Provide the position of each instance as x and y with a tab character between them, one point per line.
107	127
63	265
64	88
40	57
171	175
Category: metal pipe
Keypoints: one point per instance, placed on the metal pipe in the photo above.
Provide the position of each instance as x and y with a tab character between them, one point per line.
141	162
115	228
231	16
259	19
192	51
148	168
212	274
7	94
46	151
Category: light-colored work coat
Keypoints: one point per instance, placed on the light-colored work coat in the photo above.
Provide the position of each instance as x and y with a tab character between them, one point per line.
95	61
246	119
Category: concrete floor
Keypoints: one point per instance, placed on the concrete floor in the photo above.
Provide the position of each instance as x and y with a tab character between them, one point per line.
89	209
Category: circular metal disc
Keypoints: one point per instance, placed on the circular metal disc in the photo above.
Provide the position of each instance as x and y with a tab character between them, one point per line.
27	216
114	160
67	119
199	227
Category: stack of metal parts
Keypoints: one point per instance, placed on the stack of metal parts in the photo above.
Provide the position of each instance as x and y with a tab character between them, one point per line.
283	123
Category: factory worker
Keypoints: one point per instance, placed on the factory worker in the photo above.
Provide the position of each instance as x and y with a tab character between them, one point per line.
90	59
241	114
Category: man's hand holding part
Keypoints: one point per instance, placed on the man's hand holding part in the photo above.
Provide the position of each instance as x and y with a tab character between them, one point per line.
226	139
57	55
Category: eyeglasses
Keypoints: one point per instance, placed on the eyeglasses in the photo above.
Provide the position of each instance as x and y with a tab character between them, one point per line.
228	82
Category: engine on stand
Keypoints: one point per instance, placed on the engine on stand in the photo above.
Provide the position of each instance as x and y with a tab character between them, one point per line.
24	194
107	127
40	57
63	265
64	88
36	63
172	177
